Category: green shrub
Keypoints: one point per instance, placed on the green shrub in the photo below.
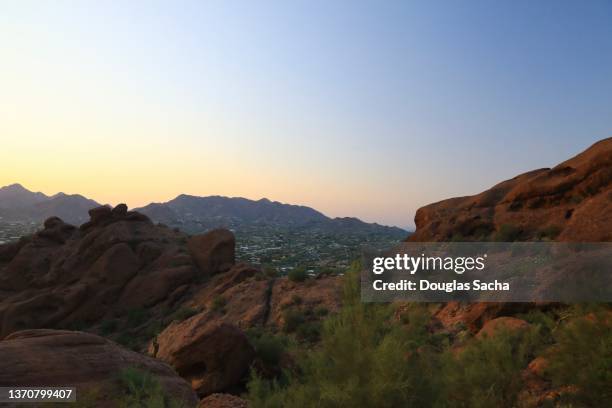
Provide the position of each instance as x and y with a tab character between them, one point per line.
137	316
551	232
184	313
140	389
292	318
269	349
507	233
582	358
321	311
362	361
487	372
297	275
218	304
270	271
108	326
309	331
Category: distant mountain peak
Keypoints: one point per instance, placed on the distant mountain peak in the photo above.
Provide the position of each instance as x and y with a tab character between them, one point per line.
17	203
14	187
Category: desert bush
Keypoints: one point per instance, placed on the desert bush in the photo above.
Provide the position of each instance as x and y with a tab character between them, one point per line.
184	313
309	331
507	233
140	389
297	275
321	311
551	232
487	372
137	316
362	361
108	326
582	358
270	271
292	318
269	348
218	304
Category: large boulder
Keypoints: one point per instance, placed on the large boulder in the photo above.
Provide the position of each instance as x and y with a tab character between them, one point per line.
214	251
212	355
47	358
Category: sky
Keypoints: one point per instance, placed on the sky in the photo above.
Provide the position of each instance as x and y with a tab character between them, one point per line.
367	109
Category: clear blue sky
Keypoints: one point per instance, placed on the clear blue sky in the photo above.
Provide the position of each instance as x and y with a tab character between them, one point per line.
367	109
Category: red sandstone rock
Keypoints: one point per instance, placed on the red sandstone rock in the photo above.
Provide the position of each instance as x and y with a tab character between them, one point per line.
46	358
214	251
212	355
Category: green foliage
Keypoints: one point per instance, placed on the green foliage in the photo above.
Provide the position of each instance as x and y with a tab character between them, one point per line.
137	316
582	358
549	233
108	326
184	313
321	311
140	389
127	340
362	361
309	331
270	271
297	274
218	304
292	318
487	372
269	348
507	233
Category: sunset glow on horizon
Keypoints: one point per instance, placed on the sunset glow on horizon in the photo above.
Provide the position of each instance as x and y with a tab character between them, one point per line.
355	109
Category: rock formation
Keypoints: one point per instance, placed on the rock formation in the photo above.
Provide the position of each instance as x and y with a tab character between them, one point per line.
47	358
570	202
121	276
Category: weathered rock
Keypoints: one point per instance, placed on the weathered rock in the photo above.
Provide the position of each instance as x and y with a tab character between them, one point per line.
223	401
570	202
120	210
99	214
65	277
90	363
322	294
212	355
214	251
507	323
455	316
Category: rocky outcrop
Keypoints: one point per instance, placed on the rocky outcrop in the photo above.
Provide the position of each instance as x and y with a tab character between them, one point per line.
213	251
116	270
212	355
35	358
570	202
502	324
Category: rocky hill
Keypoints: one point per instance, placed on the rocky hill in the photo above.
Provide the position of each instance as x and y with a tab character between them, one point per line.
570	202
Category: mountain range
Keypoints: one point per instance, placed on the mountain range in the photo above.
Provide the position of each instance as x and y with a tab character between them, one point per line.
195	214
20	204
190	213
